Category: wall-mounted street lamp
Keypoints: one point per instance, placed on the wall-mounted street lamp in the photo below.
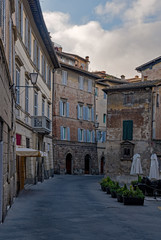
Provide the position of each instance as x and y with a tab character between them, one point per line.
96	124
33	78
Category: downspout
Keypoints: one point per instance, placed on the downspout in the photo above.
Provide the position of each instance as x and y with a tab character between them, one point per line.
53	105
153	130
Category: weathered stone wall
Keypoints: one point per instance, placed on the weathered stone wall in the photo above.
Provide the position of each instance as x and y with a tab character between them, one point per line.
140	112
152	73
78	152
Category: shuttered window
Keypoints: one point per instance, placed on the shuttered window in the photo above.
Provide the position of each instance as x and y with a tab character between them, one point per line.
128	130
64	77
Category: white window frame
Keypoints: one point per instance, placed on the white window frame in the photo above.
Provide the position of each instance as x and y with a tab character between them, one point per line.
35	103
26	96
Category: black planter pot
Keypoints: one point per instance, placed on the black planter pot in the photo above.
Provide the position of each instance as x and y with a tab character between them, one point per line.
119	198
133	201
113	194
103	188
108	190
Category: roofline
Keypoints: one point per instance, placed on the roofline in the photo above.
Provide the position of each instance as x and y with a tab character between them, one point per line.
133	86
76	69
145	65
84	59
41	26
112	80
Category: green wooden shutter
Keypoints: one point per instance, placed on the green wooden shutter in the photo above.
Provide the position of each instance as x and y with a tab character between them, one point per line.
128	130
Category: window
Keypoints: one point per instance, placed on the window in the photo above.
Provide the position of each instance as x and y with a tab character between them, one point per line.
43	106
48	113
26	32
26	96
3	20
21	19
96	92
104	118
10	42
104	95
81	82
80	135
18	139
89	85
128	130
89	113
91	136
128	99
49	78
101	136
36	56
64	77
96	117
127	150
157	100
80	111
65	133
35	103
28	142
17	86
64	108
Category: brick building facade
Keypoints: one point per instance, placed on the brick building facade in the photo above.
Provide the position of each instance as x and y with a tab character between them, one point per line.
74	138
133	126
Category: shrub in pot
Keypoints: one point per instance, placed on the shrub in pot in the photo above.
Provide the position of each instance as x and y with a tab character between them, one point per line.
133	197
119	193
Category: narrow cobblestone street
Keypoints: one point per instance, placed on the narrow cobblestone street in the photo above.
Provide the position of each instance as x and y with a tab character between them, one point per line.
74	208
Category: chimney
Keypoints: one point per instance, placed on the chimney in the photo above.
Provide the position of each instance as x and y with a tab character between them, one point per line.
87	58
122	77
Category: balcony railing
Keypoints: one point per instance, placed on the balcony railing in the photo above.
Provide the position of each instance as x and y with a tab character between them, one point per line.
41	124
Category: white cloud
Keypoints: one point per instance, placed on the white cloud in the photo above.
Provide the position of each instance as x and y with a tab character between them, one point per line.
141	10
118	51
111	8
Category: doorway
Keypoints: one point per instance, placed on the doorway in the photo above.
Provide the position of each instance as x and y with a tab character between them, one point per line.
69	163
102	165
87	164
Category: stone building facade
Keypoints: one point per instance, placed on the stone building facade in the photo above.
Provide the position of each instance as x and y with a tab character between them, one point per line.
105	80
150	70
133	126
74	133
7	108
34	53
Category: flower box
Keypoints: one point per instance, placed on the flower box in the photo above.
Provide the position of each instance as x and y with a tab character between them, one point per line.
119	198
133	201
108	190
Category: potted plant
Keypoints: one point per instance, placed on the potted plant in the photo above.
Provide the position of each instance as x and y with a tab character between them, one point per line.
119	193
133	197
104	183
113	188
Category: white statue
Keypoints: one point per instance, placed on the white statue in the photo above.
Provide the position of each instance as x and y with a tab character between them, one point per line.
136	168
154	167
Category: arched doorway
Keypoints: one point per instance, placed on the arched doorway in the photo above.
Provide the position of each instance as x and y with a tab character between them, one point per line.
87	164
102	165
69	163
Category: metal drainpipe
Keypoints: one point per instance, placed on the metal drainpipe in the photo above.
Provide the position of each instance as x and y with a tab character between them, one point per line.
153	114
53	105
1	180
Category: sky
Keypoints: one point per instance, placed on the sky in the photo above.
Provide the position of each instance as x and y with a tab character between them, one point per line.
117	35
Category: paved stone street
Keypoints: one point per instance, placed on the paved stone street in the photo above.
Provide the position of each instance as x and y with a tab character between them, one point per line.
74	208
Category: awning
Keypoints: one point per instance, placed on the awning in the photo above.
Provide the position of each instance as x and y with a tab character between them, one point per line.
28	152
